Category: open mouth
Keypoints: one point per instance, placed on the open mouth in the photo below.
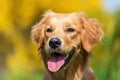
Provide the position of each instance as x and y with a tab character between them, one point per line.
59	61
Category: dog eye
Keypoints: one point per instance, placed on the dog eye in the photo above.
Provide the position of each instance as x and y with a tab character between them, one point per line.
49	30
70	30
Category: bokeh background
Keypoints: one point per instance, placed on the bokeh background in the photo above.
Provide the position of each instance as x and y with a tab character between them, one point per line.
19	59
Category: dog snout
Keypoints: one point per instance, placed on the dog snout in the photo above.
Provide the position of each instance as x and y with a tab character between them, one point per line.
54	43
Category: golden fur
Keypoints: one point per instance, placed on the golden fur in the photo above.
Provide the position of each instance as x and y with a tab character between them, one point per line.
87	32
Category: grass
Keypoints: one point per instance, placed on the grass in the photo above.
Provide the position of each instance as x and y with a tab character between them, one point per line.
33	76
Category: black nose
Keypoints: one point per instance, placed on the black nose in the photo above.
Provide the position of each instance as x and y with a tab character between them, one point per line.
54	43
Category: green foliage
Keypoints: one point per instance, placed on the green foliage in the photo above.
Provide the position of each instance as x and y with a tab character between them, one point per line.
22	76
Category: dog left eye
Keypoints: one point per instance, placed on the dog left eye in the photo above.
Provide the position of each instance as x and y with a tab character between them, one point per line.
49	30
70	30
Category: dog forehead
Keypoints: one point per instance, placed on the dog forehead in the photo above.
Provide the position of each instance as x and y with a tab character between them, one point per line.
61	19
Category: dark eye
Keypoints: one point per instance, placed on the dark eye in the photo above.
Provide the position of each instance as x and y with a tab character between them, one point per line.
70	30
49	30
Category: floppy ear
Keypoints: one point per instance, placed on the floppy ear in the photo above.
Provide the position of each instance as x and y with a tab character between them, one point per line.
37	33
91	32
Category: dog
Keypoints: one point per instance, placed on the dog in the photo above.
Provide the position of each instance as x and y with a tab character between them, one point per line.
65	42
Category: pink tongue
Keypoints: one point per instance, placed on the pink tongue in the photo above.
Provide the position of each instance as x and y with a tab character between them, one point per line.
55	63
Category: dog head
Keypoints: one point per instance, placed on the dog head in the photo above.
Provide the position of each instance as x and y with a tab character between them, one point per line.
62	36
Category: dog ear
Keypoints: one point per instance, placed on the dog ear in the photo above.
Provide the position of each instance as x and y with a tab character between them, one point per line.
91	32
37	33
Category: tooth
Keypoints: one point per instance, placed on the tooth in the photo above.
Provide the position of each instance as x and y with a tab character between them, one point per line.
67	56
64	68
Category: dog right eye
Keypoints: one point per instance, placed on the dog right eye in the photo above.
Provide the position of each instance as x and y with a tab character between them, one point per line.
70	30
49	30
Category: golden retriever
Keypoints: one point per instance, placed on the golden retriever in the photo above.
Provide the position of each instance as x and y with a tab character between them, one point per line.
65	42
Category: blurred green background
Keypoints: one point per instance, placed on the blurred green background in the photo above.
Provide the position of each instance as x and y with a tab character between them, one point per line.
19	58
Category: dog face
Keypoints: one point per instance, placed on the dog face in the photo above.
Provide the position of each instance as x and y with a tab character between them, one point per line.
62	36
